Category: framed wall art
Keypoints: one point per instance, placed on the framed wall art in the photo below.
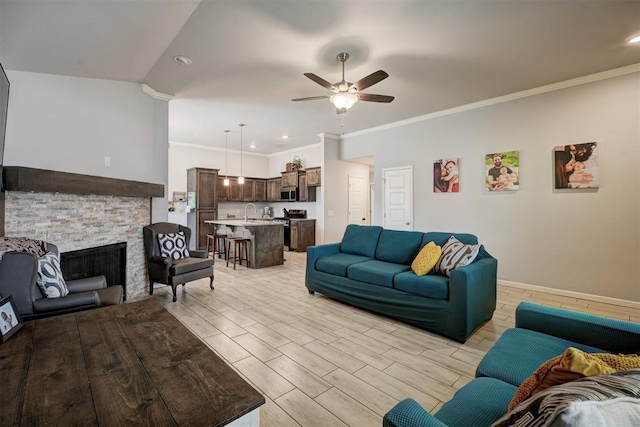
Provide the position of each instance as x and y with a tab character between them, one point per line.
446	175
576	166
502	171
10	321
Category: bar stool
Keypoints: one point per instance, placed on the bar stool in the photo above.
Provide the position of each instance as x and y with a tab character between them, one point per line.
240	248
215	241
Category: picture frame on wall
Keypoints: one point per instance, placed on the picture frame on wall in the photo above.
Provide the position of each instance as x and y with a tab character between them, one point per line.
446	175
576	166
10	321
502	171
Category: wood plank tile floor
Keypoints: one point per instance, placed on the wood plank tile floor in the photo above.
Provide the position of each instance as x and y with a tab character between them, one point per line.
319	362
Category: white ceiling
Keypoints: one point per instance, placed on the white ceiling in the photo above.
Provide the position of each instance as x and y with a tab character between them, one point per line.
249	56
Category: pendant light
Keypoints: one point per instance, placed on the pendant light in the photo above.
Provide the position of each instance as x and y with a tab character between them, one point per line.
241	178
226	158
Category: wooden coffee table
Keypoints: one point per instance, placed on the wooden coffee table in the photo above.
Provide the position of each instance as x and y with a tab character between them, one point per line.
130	364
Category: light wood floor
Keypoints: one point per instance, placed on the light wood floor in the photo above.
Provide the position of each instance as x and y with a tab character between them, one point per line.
323	363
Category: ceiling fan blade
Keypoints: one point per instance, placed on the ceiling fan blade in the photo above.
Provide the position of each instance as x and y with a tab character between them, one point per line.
322	82
374	98
311	98
341	110
370	80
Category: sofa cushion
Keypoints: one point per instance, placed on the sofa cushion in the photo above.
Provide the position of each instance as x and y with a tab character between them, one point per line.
479	403
337	264
398	247
455	254
426	259
376	272
430	286
187	265
511	361
360	240
173	245
49	277
440	238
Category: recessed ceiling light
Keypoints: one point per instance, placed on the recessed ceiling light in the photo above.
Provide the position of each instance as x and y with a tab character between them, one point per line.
285	136
181	60
636	39
252	145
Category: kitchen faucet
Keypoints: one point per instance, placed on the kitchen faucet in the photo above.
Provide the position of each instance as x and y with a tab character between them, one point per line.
245	209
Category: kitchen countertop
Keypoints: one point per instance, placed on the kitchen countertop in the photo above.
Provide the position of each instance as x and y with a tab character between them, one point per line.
242	222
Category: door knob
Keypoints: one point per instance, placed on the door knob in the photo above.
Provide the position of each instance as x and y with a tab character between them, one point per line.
406	223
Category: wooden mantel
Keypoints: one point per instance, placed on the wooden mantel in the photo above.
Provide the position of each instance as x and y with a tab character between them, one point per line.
18	178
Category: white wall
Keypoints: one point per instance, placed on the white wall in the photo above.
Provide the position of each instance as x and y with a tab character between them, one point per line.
310	155
335	190
70	124
585	241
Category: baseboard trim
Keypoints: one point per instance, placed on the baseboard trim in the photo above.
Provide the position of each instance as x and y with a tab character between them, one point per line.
573	294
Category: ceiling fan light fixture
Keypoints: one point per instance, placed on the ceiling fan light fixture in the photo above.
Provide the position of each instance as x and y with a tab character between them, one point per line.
343	100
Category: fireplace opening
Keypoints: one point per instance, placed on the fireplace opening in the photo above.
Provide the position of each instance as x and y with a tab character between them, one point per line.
109	261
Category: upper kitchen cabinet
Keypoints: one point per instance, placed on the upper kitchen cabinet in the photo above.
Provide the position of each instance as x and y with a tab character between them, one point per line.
274	185
260	190
203	182
223	190
290	179
314	177
248	190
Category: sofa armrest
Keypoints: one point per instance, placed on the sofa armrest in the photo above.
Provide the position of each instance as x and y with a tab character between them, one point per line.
18	271
198	254
616	336
87	284
315	252
155	259
472	294
408	413
45	305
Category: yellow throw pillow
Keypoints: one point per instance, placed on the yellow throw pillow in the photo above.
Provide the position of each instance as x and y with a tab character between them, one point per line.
426	259
569	366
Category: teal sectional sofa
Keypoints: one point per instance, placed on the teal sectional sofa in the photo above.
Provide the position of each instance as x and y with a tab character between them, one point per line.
371	269
540	334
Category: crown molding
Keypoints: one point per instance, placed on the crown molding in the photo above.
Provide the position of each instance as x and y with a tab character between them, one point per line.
616	72
154	93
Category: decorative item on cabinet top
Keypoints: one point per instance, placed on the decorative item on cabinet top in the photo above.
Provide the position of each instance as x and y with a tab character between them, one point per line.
295	164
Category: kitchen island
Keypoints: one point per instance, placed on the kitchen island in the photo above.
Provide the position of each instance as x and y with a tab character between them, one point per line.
267	239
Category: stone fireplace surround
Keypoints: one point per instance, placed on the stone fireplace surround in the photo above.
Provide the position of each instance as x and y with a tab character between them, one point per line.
74	220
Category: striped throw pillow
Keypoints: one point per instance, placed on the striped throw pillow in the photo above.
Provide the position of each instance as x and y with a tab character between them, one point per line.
455	254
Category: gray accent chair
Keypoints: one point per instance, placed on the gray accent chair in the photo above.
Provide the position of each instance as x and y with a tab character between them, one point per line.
18	272
170	271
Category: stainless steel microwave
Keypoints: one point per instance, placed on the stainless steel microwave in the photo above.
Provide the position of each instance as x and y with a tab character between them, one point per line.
289	195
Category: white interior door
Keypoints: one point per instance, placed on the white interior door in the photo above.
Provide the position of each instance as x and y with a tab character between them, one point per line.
372	204
398	198
357	200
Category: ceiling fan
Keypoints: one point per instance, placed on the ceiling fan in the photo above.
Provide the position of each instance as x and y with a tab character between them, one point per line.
345	94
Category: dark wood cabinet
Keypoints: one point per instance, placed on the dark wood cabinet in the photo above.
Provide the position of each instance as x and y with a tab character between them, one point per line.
303	234
303	194
260	190
235	190
223	190
290	179
314	177
204	183
274	185
248	190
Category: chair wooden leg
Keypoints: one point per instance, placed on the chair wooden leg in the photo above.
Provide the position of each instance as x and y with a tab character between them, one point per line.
211	283
246	253
174	288
151	288
228	251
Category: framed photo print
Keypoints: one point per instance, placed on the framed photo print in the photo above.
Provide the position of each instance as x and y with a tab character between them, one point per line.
10	321
446	175
576	166
502	171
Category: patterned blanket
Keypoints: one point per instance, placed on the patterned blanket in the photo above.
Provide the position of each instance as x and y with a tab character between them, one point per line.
22	244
